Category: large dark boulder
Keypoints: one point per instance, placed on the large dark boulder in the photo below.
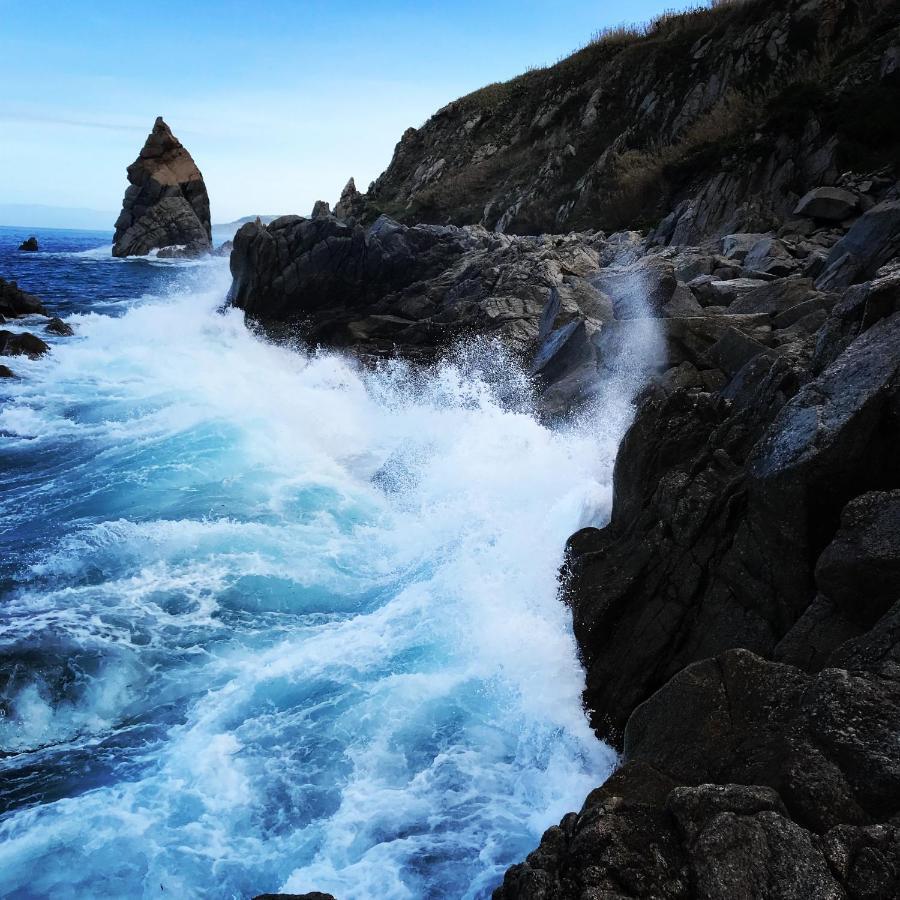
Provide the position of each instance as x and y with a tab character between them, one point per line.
740	778
869	244
859	571
16	302
22	344
29	245
166	202
829	203
721	509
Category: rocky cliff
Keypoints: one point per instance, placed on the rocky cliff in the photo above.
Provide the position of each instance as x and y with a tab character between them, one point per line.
719	120
738	616
166	202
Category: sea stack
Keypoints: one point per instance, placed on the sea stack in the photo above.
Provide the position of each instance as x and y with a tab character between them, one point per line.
166	202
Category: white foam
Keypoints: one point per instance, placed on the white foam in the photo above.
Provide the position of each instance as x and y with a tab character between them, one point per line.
347	579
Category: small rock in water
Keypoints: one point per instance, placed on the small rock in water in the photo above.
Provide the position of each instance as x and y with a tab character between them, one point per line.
6	372
57	326
224	249
30	245
188	251
22	344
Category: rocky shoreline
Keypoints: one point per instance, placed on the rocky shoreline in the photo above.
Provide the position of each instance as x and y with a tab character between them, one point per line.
738	616
717	201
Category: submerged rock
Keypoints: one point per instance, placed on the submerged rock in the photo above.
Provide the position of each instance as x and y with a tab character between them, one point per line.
166	203
313	895
188	251
6	372
29	245
57	326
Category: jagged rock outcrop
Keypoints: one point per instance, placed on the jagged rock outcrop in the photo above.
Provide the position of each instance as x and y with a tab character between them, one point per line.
352	205
57	326
29	245
166	203
417	290
723	118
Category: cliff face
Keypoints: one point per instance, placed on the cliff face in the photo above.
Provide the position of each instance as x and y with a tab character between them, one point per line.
723	117
166	202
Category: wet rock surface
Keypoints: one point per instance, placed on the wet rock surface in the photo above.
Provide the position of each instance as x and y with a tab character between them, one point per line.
739	617
166	203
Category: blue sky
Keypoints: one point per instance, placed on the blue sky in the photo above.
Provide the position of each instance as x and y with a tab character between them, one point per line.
279	102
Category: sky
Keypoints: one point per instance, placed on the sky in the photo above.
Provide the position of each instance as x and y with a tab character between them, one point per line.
278	102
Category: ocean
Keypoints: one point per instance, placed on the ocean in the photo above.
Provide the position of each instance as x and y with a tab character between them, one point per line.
268	619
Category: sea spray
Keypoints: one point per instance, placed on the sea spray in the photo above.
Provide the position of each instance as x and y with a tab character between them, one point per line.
278	621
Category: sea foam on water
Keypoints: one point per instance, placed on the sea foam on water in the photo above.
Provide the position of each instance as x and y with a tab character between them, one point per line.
283	622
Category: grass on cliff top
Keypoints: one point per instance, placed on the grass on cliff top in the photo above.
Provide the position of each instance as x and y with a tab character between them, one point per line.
608	41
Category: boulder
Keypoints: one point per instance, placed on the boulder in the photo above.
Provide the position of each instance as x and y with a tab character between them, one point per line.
740	778
188	251
320	208
829	204
737	246
873	240
890	65
57	326
6	372
166	203
858	309
224	249
725	292
859	571
770	256
29	245
22	344
16	302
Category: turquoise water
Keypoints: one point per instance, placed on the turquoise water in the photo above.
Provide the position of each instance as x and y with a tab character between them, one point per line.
269	620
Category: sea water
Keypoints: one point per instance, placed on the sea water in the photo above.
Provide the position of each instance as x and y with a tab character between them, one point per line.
270	620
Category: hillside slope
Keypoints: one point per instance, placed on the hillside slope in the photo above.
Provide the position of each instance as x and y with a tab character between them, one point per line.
725	115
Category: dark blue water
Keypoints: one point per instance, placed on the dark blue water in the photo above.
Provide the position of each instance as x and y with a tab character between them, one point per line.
267	620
